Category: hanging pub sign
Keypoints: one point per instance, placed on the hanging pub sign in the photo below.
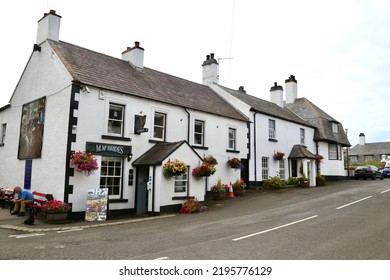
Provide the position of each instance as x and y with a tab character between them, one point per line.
108	149
139	124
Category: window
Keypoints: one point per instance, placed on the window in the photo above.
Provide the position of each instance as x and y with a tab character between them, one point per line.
181	184
353	159
264	168
335	128
232	139
282	169
199	133
334	151
271	129
368	157
159	126
111	175
3	132
302	134
115	119
130	181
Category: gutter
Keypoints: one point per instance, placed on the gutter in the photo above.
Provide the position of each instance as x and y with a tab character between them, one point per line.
254	146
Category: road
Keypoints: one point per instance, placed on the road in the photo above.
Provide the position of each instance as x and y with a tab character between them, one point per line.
342	221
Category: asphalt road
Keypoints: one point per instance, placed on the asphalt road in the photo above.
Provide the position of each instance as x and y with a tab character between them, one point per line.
342	221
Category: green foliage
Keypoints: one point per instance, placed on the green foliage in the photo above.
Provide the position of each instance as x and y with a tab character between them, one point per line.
273	183
292	181
378	164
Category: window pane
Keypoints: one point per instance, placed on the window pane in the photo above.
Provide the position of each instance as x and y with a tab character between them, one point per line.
159	119
114	127
158	132
116	112
111	175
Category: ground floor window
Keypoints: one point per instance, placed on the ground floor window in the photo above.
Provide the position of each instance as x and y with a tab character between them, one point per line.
264	168
111	171
181	184
282	169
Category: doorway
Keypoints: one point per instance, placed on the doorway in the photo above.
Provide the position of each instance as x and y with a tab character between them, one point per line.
141	202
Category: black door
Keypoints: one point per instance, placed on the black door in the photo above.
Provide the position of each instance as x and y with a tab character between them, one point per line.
141	202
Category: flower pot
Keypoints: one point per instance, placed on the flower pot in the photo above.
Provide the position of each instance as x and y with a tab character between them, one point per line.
238	191
54	218
219	195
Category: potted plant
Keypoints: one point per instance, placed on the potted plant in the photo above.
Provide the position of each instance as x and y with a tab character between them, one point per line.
234	162
239	187
219	190
83	162
174	167
191	205
278	156
211	160
54	211
320	180
205	169
303	180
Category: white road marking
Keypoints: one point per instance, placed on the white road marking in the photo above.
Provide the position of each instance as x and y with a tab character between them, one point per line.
26	235
69	230
353	202
162	258
386	191
275	228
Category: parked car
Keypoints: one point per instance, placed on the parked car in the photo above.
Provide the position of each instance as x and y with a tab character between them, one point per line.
368	171
386	172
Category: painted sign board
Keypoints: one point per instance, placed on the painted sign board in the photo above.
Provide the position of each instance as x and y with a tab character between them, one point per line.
96	205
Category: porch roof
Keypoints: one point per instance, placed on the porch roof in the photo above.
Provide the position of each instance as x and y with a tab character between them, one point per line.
159	152
300	151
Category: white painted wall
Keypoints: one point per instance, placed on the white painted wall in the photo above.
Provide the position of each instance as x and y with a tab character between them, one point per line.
330	167
44	75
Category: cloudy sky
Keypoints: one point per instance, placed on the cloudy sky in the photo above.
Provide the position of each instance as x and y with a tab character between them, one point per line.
337	50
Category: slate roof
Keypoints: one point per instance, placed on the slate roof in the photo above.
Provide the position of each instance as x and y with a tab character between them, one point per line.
106	72
321	120
159	152
379	148
267	107
300	151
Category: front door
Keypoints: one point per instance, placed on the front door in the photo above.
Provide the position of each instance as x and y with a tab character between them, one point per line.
141	203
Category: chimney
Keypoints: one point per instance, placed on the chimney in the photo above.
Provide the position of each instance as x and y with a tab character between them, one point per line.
135	56
241	89
210	70
277	95
362	139
291	89
49	27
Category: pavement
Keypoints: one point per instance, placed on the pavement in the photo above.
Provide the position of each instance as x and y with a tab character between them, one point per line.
12	222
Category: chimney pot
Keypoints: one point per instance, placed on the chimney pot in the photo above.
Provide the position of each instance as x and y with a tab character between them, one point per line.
212	55
136	44
53	12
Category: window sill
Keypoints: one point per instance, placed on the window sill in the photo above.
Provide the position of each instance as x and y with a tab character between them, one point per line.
119	138
181	197
200	147
232	151
272	140
156	141
118	200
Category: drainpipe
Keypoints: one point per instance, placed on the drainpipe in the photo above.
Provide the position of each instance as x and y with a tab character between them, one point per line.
153	188
254	146
188	125
318	164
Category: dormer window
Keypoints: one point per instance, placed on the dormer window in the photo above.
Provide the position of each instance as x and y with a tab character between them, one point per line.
335	128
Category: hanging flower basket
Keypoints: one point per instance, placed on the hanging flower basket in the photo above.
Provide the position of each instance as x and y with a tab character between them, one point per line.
205	169
174	167
234	162
83	162
210	160
278	156
319	158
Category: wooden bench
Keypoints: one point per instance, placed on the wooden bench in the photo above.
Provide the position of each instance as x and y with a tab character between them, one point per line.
39	201
6	195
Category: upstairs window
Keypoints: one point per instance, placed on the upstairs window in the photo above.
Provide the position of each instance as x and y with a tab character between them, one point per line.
232	139
199	133
159	126
302	135
3	132
334	151
271	129
335	128
368	157
115	119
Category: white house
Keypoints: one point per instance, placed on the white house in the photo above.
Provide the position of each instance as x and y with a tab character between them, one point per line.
287	125
133	119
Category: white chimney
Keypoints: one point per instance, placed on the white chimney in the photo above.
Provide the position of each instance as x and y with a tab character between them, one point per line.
49	27
210	70
362	139
291	89
135	56
277	95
